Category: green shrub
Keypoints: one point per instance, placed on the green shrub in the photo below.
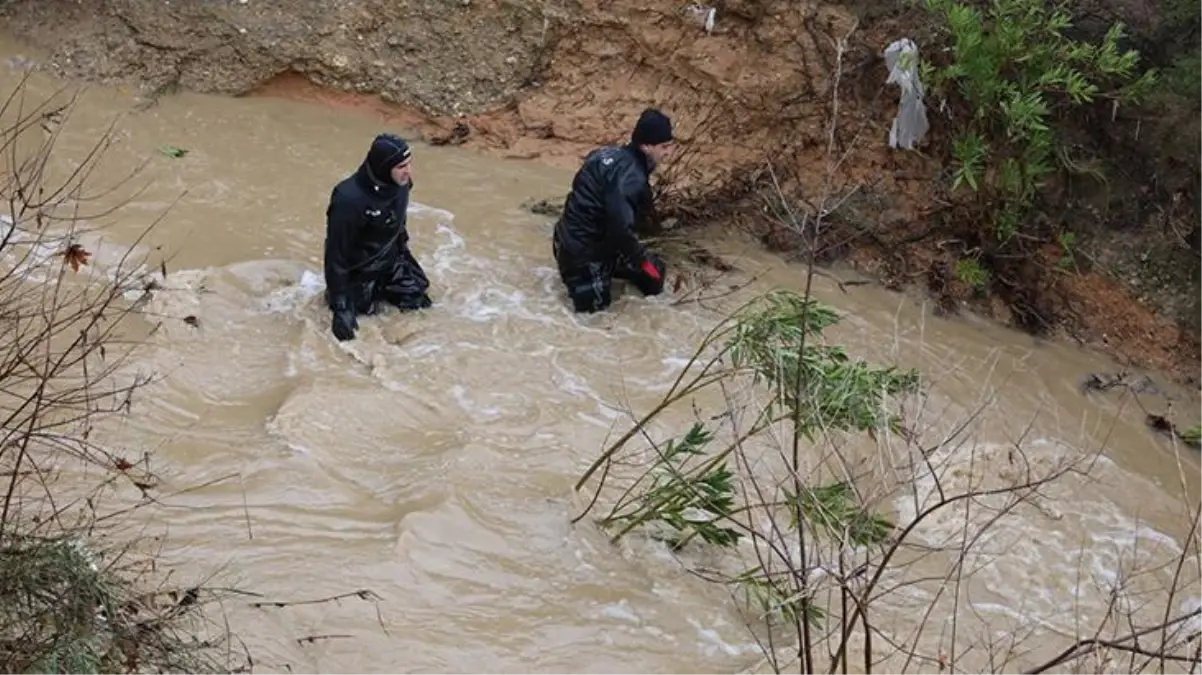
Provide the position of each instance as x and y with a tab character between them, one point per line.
1011	76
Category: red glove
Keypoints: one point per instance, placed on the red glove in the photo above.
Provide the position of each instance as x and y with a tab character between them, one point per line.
650	270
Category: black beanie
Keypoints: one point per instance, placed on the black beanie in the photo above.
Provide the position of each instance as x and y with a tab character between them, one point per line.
653	128
387	152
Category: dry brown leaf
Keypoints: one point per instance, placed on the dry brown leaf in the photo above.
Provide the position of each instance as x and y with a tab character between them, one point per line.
75	256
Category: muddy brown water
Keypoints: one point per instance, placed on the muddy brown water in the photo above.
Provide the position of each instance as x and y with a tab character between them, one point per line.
430	460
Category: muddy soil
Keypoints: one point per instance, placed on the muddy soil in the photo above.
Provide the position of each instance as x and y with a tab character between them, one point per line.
439	57
552	79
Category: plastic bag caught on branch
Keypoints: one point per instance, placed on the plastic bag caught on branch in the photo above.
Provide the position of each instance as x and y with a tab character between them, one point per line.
910	123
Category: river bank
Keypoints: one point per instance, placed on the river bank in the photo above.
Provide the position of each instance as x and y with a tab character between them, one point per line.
548	81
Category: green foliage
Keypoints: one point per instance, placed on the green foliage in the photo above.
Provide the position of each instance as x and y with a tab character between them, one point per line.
173	151
1067	242
57	575
834	509
819	385
689	491
1184	77
773	595
1180	16
836	512
1192	436
969	271
62	612
691	504
1178	34
1018	74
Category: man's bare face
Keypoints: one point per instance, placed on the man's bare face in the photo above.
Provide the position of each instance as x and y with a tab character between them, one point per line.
660	151
402	173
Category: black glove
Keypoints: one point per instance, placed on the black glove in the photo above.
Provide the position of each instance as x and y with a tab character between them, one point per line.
649	278
345	324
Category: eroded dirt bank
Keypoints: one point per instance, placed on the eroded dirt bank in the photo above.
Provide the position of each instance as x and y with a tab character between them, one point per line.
552	79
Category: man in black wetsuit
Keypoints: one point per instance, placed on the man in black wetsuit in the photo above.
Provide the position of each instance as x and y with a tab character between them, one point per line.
594	239
367	257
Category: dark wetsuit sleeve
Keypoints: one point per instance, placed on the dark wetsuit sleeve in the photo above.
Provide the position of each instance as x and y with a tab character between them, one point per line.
342	228
402	240
647	214
405	254
621	198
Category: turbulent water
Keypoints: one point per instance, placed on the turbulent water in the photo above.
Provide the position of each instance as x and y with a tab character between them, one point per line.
431	459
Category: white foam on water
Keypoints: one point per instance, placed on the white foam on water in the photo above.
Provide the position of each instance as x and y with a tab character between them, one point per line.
447	253
291	298
481	413
621	611
497	296
35	256
1026	549
441	215
571	383
311	282
485	300
484	304
711	642
1067	549
1192	604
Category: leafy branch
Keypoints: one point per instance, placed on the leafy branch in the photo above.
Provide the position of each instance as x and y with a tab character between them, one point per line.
1011	73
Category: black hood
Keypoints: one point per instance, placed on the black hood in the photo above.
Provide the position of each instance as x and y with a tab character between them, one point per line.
372	185
375	172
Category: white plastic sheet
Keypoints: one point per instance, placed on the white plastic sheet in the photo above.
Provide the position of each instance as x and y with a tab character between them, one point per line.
704	15
910	123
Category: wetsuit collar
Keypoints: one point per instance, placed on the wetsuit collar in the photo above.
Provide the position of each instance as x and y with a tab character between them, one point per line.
645	162
373	185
